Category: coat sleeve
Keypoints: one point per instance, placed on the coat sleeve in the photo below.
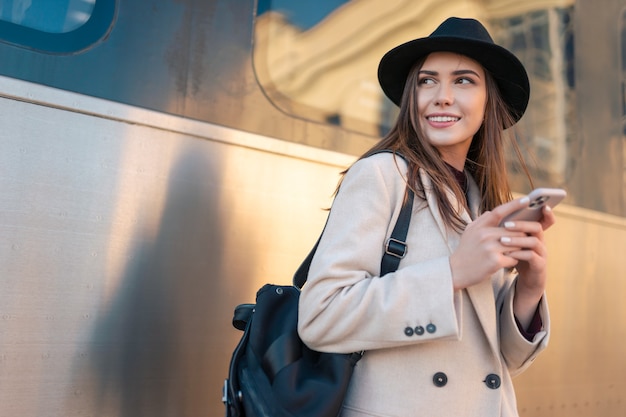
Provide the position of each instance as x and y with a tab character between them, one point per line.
345	305
518	352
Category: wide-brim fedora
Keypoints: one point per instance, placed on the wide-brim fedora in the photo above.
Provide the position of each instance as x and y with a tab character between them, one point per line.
467	37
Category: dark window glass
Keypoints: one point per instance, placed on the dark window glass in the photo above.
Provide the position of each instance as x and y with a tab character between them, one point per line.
52	16
55	26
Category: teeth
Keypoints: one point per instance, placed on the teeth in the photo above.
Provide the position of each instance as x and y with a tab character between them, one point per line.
443	119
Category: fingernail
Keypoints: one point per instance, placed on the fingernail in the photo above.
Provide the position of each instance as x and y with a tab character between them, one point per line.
524	201
548	208
505	239
509	224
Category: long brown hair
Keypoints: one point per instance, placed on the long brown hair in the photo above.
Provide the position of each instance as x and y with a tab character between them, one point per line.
485	158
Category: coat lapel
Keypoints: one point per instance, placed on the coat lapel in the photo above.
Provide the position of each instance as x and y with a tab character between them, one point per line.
481	295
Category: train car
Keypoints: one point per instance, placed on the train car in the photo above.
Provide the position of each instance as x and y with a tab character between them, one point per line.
161	160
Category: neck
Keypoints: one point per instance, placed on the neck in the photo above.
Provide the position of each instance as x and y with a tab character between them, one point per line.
459	175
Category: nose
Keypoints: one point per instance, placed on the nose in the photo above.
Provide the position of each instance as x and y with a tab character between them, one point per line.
444	96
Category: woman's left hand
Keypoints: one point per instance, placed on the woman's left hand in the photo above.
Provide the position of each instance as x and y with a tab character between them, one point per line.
531	253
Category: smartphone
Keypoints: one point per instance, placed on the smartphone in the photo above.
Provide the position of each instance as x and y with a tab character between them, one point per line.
539	197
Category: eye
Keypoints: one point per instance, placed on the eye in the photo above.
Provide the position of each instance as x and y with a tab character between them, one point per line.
465	80
426	80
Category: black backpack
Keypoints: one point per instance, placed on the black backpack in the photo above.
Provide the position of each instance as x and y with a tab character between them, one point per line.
272	372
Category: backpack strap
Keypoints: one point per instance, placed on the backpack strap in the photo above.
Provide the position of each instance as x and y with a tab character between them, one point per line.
395	247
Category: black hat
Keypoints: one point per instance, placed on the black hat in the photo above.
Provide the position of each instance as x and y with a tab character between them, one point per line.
467	37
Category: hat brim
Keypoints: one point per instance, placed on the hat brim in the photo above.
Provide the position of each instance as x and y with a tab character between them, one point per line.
507	70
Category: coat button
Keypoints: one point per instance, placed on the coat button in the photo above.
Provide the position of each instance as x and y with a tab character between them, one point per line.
431	328
419	330
493	381
440	379
408	331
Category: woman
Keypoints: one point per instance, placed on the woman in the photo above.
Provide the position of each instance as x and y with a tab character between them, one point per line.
465	311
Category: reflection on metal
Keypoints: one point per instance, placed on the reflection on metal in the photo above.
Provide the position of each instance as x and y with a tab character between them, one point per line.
328	72
588	318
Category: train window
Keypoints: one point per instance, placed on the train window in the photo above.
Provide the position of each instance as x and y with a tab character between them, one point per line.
544	40
53	16
318	60
55	26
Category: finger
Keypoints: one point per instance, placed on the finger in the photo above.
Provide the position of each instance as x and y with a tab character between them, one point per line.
499	213
530	250
508	261
531	258
525	227
523	243
548	218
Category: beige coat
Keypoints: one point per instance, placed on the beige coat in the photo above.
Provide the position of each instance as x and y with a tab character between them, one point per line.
470	347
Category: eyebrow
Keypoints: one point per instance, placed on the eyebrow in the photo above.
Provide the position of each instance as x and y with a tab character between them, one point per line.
457	72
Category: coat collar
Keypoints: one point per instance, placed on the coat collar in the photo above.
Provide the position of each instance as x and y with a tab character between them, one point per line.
480	292
473	198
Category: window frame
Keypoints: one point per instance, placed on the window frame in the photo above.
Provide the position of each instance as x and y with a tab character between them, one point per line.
93	30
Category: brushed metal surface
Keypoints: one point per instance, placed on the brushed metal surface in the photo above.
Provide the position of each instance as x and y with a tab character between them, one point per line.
125	248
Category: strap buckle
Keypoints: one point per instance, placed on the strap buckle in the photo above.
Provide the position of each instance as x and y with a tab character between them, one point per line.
396	248
225	392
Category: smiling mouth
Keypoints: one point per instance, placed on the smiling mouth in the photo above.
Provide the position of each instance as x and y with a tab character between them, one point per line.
442	119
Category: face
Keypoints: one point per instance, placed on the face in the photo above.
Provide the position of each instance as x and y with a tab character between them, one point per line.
451	100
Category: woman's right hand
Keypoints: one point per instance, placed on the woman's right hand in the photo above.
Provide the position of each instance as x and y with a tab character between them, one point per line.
481	252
